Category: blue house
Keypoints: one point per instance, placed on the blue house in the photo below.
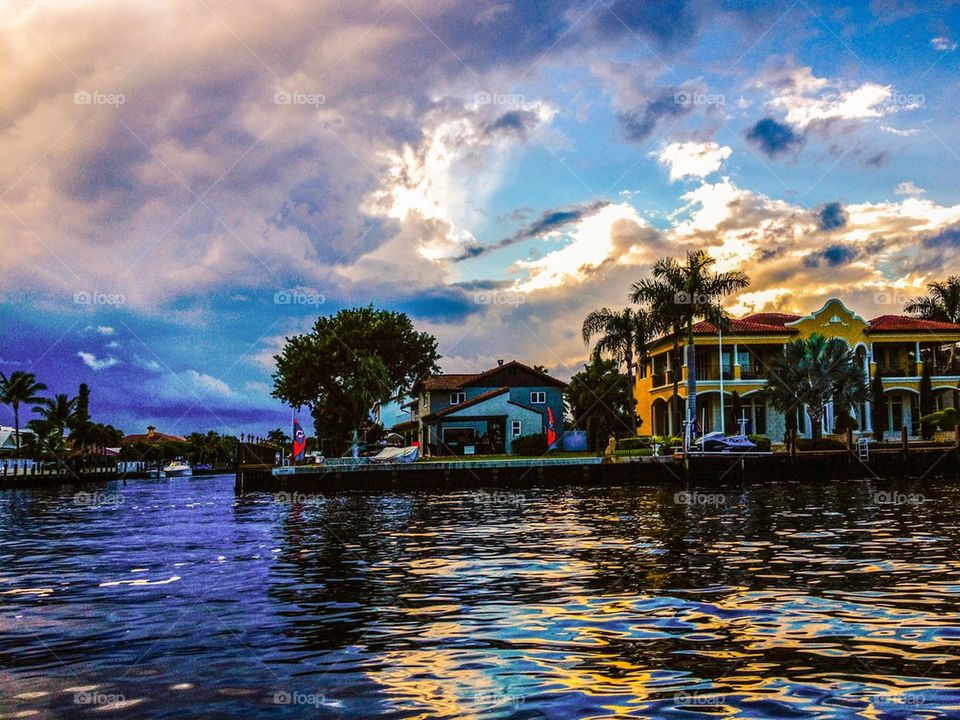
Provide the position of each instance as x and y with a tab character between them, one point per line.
483	413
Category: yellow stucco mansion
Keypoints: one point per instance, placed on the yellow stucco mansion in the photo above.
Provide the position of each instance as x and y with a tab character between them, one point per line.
894	346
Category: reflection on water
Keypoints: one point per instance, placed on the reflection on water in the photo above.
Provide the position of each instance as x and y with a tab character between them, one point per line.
176	599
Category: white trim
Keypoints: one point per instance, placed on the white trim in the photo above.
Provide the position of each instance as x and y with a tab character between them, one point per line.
814	315
539	393
516	428
461	398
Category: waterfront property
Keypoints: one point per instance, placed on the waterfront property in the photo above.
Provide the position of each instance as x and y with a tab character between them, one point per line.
482	413
893	346
8	439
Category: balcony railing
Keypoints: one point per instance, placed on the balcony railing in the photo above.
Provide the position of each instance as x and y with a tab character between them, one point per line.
896	371
662	378
752	373
712	372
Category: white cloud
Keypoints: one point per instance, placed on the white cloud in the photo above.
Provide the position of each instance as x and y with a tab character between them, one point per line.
909	188
101	329
897	131
92	362
943	44
692	159
808	99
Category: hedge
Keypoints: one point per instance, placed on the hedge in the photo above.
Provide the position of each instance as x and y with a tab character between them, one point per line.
529	445
821	444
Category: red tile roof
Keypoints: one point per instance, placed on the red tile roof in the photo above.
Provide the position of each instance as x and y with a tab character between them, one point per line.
771	318
514	364
469	403
904	323
151	436
456	381
742	327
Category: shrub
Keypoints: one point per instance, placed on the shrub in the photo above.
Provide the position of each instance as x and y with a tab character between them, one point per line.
844	422
633	443
529	445
945	419
761	441
821	444
669	442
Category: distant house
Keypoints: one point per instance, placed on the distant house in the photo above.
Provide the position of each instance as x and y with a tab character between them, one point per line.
8	438
482	413
151	436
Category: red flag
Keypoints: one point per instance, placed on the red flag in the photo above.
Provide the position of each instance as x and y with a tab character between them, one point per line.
551	430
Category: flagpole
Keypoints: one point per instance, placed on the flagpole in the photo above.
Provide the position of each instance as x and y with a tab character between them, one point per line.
723	427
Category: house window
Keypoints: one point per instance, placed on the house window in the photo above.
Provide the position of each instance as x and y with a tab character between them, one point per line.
516	428
538	398
457	398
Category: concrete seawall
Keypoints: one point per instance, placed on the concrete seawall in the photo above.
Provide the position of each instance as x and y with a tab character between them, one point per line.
805	467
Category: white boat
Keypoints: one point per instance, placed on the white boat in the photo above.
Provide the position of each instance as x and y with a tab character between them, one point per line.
177	468
397	455
718	442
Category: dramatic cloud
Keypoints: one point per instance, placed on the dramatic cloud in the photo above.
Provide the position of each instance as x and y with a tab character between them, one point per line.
549	221
773	138
693	159
640	122
832	216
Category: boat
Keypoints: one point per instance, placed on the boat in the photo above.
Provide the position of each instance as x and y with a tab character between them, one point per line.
719	442
397	455
177	468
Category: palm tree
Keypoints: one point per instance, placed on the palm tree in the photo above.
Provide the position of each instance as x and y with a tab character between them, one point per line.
942	304
622	334
58	411
20	388
812	372
679	294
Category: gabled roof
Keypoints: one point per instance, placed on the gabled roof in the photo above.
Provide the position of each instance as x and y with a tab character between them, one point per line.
482	397
512	367
448	381
151	436
457	381
905	323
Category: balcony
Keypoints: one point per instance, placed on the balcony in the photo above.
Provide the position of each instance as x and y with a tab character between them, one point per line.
712	372
752	372
659	379
896	371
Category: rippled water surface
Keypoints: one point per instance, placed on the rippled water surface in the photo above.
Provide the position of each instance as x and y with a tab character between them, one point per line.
174	598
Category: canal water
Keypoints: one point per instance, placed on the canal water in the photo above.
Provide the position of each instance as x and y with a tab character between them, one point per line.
174	598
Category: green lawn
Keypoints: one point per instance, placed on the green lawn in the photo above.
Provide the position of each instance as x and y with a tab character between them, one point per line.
467	458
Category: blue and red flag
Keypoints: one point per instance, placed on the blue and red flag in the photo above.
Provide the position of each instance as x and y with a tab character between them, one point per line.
299	441
551	429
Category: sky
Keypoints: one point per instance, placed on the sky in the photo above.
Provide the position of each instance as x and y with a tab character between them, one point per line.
185	184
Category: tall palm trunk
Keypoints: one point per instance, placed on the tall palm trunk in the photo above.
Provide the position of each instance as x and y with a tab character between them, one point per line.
16	424
675	373
633	390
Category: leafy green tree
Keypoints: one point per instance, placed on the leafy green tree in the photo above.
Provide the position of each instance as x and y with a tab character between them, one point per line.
599	400
20	388
812	372
681	293
622	335
350	362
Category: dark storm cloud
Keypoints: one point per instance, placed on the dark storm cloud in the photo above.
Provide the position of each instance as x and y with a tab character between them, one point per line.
832	256
948	237
773	138
832	216
639	123
549	220
515	121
